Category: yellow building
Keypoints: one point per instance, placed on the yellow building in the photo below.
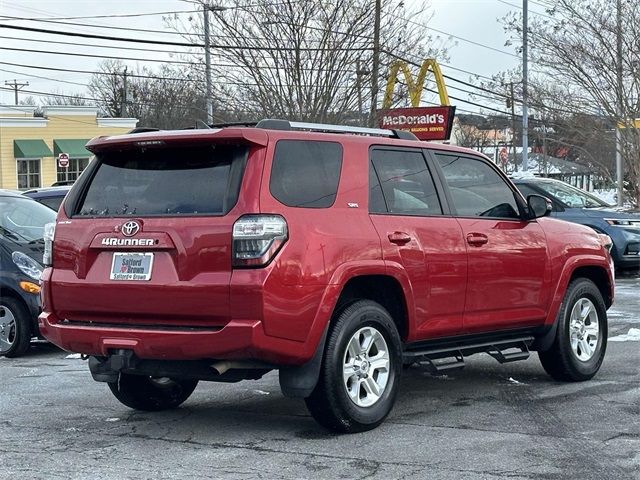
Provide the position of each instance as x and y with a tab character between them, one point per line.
30	146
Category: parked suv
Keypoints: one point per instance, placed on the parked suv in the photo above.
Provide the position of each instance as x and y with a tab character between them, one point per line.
332	254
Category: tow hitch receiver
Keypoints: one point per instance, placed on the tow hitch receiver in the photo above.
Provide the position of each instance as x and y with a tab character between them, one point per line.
107	369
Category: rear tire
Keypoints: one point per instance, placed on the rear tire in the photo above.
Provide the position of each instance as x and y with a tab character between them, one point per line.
151	394
15	328
360	371
581	337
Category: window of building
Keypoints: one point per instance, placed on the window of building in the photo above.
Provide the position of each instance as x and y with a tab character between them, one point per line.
73	171
28	173
406	184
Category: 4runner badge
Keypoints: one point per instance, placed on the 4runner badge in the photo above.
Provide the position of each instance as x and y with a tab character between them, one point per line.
130	228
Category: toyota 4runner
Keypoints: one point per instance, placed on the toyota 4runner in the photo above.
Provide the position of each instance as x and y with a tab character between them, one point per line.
332	254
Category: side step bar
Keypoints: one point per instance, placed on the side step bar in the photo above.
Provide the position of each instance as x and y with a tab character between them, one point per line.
444	358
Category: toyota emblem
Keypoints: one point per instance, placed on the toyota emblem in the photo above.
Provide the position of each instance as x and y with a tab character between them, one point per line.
129	229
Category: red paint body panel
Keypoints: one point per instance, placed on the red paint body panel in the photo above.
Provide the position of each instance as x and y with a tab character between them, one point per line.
509	275
436	264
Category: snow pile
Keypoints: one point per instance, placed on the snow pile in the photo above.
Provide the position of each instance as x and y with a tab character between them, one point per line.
74	355
608	196
633	335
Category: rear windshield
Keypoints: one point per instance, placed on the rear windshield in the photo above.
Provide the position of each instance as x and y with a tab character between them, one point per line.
168	181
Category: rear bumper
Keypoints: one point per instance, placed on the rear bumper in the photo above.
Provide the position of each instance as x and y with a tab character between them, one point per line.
238	340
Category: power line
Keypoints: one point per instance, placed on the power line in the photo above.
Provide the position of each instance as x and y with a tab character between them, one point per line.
530	11
180	44
488	47
97	56
122	15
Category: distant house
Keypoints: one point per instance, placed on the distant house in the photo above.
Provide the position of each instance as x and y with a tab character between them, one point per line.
30	145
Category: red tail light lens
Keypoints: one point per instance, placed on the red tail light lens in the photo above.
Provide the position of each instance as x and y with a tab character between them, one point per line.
257	239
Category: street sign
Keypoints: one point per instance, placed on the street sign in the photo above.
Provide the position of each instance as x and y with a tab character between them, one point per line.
63	160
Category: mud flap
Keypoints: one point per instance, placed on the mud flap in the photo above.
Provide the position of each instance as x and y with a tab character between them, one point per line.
299	382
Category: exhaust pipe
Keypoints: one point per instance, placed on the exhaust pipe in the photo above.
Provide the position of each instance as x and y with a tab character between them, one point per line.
225	365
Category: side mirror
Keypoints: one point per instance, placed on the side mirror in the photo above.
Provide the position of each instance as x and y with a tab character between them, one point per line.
539	206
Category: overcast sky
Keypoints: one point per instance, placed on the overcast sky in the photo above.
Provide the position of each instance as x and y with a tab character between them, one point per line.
473	20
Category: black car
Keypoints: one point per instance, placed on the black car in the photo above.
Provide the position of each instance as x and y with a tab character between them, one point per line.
50	196
22	222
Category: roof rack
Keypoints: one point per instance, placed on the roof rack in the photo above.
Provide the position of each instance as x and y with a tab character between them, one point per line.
276	124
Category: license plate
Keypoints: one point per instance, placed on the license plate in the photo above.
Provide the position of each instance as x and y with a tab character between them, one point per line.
131	266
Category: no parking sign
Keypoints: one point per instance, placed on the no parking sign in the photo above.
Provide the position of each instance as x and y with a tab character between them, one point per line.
63	160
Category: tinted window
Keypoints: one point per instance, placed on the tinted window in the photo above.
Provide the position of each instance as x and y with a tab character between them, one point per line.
406	183
476	189
168	181
306	173
52	202
526	190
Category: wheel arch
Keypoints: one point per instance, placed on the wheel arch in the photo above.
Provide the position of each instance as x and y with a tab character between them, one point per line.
385	290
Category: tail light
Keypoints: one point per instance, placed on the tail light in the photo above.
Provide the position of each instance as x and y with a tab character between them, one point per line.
49	233
257	239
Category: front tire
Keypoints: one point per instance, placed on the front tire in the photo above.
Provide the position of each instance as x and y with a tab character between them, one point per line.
15	328
151	394
581	337
360	371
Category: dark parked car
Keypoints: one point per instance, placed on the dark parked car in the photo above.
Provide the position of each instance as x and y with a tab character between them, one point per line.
575	205
51	196
22	223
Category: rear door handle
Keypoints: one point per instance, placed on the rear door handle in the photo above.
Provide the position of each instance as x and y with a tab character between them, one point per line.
477	239
399	238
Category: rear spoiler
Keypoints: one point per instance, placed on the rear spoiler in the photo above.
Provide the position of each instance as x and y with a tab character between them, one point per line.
158	138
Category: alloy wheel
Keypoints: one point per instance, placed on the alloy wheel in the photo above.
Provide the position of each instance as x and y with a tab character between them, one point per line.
366	366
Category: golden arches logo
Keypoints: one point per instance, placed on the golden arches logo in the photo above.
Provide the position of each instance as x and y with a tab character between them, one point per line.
415	86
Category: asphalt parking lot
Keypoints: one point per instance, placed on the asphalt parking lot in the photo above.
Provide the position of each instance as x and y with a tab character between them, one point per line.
486	421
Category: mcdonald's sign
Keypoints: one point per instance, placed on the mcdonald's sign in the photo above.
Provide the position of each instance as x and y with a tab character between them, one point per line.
426	123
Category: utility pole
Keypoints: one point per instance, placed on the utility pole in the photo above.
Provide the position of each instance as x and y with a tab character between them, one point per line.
513	125
619	109
16	87
207	60
123	105
360	72
525	73
375	71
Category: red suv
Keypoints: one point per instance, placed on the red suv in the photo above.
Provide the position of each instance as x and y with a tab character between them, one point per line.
332	254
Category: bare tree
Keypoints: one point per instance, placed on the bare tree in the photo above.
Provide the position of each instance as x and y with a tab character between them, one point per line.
107	87
304	59
60	98
164	98
575	65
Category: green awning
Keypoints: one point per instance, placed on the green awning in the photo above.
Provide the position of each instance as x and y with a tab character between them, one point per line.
72	147
31	149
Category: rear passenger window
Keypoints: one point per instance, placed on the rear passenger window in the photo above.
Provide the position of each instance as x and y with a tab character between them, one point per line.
406	184
306	173
476	189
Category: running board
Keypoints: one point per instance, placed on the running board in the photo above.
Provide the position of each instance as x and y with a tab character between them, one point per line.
443	358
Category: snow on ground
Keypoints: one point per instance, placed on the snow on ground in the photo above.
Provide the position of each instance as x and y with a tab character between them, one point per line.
633	335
